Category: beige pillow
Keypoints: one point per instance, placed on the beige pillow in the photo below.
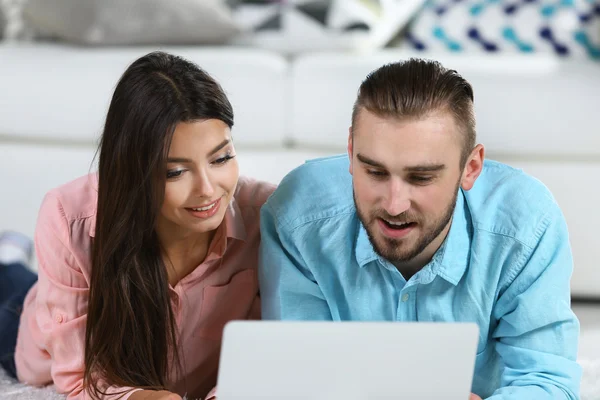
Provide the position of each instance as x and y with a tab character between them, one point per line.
123	22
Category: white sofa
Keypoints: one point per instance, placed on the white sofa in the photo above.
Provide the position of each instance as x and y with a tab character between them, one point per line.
534	112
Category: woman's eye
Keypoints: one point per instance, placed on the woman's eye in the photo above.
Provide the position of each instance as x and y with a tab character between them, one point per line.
223	160
174	173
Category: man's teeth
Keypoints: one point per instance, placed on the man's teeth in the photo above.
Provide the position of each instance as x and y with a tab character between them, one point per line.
205	208
398	223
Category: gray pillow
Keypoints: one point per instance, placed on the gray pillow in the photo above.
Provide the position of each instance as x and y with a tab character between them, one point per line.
123	22
2	23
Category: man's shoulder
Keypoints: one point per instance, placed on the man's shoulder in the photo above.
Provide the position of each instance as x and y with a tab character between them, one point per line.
507	201
319	188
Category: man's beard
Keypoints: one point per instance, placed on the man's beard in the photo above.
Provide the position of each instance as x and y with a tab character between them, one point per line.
392	250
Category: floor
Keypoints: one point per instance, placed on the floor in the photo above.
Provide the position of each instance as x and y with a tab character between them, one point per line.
589	358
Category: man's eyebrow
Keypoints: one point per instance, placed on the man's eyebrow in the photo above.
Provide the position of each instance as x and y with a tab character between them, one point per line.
412	168
425	168
368	161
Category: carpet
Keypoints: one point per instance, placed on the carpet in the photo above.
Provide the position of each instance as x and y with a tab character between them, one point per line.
12	390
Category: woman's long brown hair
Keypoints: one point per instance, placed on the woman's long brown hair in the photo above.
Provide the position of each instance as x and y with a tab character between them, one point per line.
131	334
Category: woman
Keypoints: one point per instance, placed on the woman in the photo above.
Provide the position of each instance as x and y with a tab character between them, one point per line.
142	264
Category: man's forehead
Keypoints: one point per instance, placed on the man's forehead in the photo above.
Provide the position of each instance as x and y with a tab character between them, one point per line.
441	121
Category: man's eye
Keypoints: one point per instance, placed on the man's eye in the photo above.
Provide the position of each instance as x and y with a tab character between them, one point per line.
376	173
421	179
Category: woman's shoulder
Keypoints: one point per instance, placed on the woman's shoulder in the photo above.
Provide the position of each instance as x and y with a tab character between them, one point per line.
252	193
71	202
64	230
249	197
78	197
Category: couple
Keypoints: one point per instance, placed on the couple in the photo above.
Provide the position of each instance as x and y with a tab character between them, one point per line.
142	264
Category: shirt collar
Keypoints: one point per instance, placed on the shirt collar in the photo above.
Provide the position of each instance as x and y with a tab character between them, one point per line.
234	221
363	249
232	227
450	261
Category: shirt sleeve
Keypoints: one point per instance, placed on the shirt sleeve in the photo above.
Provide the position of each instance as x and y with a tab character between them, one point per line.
537	332
288	289
61	304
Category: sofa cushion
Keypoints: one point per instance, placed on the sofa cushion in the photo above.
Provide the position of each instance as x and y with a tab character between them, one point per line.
29	170
528	105
61	93
571	184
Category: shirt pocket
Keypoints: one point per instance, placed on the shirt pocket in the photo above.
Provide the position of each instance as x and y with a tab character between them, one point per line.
228	302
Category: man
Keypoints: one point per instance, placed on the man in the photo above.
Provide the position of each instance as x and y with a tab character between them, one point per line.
422	229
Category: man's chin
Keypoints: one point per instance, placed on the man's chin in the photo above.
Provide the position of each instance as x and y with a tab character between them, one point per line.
390	252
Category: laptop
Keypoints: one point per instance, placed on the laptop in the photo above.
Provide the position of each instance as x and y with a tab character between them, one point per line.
347	360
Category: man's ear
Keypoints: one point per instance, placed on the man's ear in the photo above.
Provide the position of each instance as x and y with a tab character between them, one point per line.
473	167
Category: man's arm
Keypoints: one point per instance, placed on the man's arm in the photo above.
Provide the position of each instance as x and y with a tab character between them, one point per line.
288	289
537	332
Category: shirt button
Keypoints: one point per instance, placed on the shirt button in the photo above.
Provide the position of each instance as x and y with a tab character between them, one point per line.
405	297
58	318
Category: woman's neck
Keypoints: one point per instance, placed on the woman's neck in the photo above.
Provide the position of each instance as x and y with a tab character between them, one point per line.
182	253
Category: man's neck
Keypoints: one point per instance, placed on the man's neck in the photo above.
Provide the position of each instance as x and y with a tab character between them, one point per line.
414	265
